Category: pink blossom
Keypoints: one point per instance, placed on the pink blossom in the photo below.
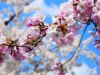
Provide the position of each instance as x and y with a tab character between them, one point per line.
61	14
32	22
82	8
29	22
89	3
35	20
33	32
58	67
55	68
3	50
98	57
62	41
96	12
61	72
17	55
96	44
56	36
64	35
96	17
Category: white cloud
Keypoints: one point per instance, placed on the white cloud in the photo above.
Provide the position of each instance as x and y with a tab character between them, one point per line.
83	70
41	5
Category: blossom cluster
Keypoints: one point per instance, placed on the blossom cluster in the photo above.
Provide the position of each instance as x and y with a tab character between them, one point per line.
89	11
16	47
72	16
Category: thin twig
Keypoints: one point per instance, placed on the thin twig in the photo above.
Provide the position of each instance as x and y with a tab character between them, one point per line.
77	46
11	18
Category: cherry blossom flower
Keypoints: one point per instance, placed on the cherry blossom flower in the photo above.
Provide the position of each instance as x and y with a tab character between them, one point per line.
3	50
35	20
82	9
96	12
59	68
17	55
96	44
98	57
33	32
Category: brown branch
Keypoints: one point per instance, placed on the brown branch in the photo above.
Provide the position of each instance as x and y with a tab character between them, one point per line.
35	44
29	48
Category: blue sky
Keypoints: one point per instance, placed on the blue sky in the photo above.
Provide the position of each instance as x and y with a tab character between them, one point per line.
50	4
57	2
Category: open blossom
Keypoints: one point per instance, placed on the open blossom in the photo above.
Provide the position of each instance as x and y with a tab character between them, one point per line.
82	8
68	14
3	50
59	68
97	44
62	41
61	73
64	37
96	12
70	21
34	31
31	22
17	55
64	34
65	25
62	14
7	49
98	57
56	36
35	20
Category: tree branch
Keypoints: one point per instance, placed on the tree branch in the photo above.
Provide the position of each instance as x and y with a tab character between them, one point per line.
11	18
39	40
78	45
